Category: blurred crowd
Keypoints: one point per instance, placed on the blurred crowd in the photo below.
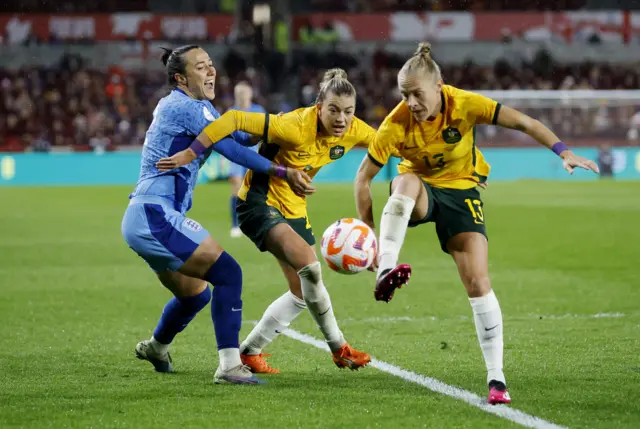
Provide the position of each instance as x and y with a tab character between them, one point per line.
69	6
71	105
375	82
438	5
86	109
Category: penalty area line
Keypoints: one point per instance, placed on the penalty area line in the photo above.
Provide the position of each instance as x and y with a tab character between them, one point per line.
440	387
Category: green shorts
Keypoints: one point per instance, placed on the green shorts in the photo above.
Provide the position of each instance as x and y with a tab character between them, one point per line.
256	219
453	211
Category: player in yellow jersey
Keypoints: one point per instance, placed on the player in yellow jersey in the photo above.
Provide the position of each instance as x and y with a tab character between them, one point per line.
432	130
274	216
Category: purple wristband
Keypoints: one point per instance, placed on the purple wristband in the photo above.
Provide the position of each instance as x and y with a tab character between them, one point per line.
281	171
197	147
559	147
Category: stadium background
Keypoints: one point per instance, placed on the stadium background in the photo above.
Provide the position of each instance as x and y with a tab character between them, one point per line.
82	78
78	84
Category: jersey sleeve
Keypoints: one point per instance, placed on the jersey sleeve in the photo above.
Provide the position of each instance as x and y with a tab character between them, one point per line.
481	110
286	128
388	137
244	138
195	117
235	120
366	135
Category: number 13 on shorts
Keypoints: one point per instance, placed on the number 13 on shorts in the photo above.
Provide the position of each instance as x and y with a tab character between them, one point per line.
475	207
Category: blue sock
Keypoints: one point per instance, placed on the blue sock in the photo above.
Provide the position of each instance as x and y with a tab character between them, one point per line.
226	306
234	216
178	313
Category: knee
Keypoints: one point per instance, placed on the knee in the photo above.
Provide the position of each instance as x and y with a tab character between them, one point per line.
311	283
477	285
311	273
225	272
407	184
208	254
400	205
304	258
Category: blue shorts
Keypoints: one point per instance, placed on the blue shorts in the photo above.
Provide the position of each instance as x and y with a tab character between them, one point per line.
159	234
237	170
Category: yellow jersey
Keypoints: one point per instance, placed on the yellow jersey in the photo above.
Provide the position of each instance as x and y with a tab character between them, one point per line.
442	151
292	140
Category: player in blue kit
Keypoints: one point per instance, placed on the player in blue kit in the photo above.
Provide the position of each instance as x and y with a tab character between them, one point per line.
181	252
243	95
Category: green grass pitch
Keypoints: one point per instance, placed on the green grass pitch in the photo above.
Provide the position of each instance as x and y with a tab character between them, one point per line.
75	300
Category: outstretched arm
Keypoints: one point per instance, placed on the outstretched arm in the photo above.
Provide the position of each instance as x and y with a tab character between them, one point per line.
219	130
508	117
246	139
230	123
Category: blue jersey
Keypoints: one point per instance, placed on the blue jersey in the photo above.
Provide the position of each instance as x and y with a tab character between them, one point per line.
177	120
254	108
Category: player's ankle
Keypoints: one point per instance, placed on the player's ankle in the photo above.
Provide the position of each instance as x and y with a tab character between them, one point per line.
250	351
496	375
158	347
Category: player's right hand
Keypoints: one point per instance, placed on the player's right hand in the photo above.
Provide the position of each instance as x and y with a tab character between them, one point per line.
300	182
181	158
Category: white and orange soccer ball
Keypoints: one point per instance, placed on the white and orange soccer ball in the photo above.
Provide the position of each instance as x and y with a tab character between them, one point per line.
349	246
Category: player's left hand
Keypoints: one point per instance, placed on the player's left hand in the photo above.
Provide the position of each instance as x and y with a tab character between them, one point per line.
570	161
483	185
181	158
300	182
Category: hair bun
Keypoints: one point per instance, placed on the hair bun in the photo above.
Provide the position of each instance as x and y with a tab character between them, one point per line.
166	55
334	74
424	48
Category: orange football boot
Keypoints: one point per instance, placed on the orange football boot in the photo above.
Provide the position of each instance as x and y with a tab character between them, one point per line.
258	364
348	357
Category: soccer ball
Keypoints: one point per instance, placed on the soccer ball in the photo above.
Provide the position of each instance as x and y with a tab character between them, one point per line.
349	246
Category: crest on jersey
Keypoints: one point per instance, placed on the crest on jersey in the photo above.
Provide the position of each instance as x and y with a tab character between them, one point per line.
336	152
208	115
451	135
192	225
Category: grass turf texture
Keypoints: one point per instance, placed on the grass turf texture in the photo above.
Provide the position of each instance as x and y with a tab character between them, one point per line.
75	300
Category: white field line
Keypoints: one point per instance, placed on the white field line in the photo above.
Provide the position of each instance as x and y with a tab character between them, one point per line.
507	318
438	386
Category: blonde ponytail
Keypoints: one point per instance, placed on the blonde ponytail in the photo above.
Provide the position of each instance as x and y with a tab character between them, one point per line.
423	61
336	82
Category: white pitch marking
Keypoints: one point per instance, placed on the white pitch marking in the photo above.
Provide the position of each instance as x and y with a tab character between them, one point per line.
438	386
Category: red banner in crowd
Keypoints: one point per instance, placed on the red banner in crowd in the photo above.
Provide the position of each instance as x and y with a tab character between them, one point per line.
466	26
114	27
402	26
